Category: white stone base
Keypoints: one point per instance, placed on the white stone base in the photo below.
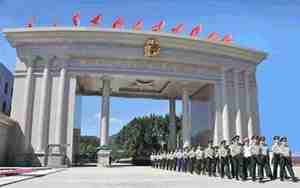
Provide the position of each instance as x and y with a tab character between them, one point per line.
103	158
57	160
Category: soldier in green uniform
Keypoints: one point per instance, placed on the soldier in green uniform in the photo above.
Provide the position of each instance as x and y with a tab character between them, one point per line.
286	160
185	159
179	156
156	159
236	153
246	157
276	155
172	163
230	159
172	160
216	161
264	160
209	157
165	160
254	150
192	156
168	160
224	160
199	160
161	160
152	159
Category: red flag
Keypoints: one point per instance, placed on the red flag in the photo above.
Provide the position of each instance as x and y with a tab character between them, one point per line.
214	36
177	29
96	20
227	39
196	30
76	19
158	27
31	21
138	25
118	23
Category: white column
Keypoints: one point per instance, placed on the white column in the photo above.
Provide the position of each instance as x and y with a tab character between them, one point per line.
172	123
61	108
255	105
28	99
104	134
218	113
250	123
225	110
43	115
252	104
186	123
238	115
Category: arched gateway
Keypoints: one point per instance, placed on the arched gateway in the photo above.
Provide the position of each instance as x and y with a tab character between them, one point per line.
54	64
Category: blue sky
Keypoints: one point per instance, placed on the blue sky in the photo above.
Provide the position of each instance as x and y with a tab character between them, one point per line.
271	25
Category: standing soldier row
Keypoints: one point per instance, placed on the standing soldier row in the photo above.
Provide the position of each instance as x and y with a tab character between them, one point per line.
239	160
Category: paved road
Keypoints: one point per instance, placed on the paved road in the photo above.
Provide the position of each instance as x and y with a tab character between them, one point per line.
137	177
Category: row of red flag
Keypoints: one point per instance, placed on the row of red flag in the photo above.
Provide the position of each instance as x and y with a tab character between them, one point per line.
119	24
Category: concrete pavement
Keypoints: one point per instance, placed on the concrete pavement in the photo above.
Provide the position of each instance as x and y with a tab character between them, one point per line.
139	177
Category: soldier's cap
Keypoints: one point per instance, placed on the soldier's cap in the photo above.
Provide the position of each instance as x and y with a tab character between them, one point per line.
262	138
246	139
236	137
216	147
276	137
223	142
254	138
210	141
283	139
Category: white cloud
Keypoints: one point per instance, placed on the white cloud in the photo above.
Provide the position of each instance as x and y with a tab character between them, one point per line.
112	120
117	121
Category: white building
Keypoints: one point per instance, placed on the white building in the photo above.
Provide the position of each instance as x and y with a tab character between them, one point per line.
215	82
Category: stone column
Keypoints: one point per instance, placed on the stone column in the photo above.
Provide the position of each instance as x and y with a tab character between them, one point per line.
255	111
172	124
218	113
238	115
250	125
44	114
104	134
28	100
186	123
59	136
252	104
225	110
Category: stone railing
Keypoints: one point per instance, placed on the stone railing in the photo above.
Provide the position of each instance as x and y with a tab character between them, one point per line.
7	128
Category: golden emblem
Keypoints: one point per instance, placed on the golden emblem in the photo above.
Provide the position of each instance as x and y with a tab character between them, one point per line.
151	48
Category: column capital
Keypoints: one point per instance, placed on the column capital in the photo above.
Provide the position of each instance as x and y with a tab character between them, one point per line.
250	71
106	78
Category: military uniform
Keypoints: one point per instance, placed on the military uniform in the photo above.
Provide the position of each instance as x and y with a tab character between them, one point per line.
184	160
236	153
247	158
152	159
224	160
199	160
164	160
276	156
192	160
264	160
209	157
161	160
285	160
254	150
216	161
179	158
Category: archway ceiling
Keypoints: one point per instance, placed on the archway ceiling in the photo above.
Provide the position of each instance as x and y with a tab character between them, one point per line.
141	87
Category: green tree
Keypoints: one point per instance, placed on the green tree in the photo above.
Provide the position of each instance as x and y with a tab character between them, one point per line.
143	135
